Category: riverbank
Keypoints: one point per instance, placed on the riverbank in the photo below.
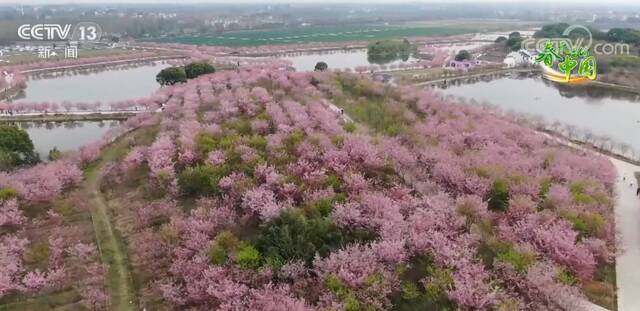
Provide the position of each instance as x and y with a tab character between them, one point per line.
105	63
494	73
63	117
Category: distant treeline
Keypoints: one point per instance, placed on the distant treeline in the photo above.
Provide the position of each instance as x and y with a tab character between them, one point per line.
625	35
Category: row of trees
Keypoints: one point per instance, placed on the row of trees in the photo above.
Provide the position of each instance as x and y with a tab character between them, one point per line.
297	210
625	35
173	75
512	43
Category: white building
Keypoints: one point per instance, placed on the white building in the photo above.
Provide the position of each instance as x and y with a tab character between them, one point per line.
518	58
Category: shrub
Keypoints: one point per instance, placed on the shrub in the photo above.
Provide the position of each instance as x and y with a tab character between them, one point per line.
248	258
171	76
294	236
201	180
225	243
350	127
8	193
196	69
499	195
519	260
463	55
321	66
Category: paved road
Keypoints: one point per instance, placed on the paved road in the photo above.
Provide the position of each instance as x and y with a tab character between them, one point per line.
628	228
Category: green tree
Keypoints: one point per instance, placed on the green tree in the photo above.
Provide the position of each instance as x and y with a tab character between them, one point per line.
499	195
501	39
196	69
463	55
201	180
171	76
16	148
54	154
321	66
294	235
386	51
626	35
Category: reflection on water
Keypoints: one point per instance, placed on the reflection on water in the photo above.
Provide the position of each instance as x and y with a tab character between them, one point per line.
105	86
337	59
66	136
604	112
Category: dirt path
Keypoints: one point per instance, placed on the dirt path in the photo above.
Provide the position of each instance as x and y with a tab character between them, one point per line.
112	252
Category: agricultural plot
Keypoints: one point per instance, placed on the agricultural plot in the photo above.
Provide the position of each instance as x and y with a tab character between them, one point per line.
314	34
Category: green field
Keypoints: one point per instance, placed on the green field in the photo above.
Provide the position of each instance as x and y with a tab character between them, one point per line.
314	34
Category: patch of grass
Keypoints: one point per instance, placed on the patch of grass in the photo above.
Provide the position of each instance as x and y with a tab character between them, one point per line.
59	300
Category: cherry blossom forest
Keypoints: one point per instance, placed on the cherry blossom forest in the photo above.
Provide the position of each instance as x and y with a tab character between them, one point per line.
267	189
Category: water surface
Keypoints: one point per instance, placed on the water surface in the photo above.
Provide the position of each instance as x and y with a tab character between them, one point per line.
66	136
336	59
105	86
612	114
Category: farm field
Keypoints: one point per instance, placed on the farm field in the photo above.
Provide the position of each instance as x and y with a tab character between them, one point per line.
315	34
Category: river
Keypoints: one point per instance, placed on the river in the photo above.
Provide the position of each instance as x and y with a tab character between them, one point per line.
601	111
65	136
336	59
121	83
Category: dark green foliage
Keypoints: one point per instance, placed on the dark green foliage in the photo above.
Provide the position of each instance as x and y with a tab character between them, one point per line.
350	127
196	69
551	31
463	55
205	143
201	180
225	244
383	52
16	147
499	195
296	236
291	141
54	154
321	66
171	76
416	295
514	43
500	39
626	35
493	250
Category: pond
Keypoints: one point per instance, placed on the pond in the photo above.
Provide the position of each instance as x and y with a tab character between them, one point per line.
603	112
66	136
122	83
336	59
